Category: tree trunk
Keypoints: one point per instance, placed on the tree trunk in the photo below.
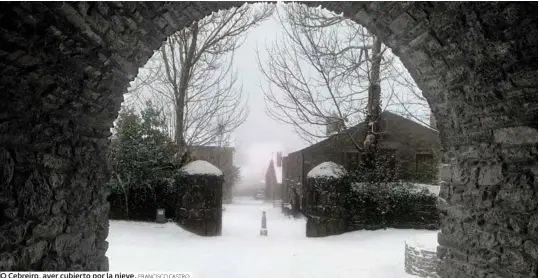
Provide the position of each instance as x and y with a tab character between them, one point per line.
126	195
126	199
182	90
373	108
179	138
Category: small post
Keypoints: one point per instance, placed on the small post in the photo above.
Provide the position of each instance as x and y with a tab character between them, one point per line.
264	230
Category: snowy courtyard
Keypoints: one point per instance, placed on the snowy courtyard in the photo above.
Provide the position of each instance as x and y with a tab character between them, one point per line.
241	252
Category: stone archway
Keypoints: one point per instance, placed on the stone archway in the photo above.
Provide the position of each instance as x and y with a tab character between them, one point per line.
65	66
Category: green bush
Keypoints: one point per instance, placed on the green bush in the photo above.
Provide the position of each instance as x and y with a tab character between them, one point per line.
426	172
378	199
374	206
143	201
143	164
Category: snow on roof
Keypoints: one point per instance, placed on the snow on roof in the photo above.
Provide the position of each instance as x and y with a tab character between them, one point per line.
327	169
201	167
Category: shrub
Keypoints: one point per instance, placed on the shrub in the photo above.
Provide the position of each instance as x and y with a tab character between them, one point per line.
426	172
390	205
143	164
143	201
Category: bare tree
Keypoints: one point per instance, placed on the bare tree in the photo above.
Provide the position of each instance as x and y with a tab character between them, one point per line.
324	69
193	78
407	99
314	77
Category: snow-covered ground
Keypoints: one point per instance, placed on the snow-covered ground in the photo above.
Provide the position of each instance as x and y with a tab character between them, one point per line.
240	252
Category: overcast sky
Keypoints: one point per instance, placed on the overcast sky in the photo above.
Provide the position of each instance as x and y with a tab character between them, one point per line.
260	136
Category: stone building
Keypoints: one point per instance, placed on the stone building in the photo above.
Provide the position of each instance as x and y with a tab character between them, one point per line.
409	143
222	158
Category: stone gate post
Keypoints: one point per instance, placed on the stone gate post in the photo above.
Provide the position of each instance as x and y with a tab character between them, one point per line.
198	202
325	215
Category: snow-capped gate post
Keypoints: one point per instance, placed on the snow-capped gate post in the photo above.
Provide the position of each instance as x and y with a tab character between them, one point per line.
324	211
199	198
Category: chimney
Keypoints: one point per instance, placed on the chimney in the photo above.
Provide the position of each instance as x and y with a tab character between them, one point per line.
332	124
328	126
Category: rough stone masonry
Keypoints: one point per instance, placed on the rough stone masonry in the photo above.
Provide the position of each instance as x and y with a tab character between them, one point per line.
323	200
420	261
198	198
64	67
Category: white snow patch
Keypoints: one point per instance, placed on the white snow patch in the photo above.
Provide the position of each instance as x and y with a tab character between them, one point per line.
426	241
433	189
327	169
241	253
201	167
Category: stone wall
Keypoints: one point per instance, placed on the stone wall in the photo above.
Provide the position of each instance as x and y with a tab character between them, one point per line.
490	208
325	226
284	182
323	206
64	67
199	204
292	180
222	158
420	261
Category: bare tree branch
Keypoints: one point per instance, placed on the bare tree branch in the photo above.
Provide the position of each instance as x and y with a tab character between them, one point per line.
321	69
193	78
309	80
